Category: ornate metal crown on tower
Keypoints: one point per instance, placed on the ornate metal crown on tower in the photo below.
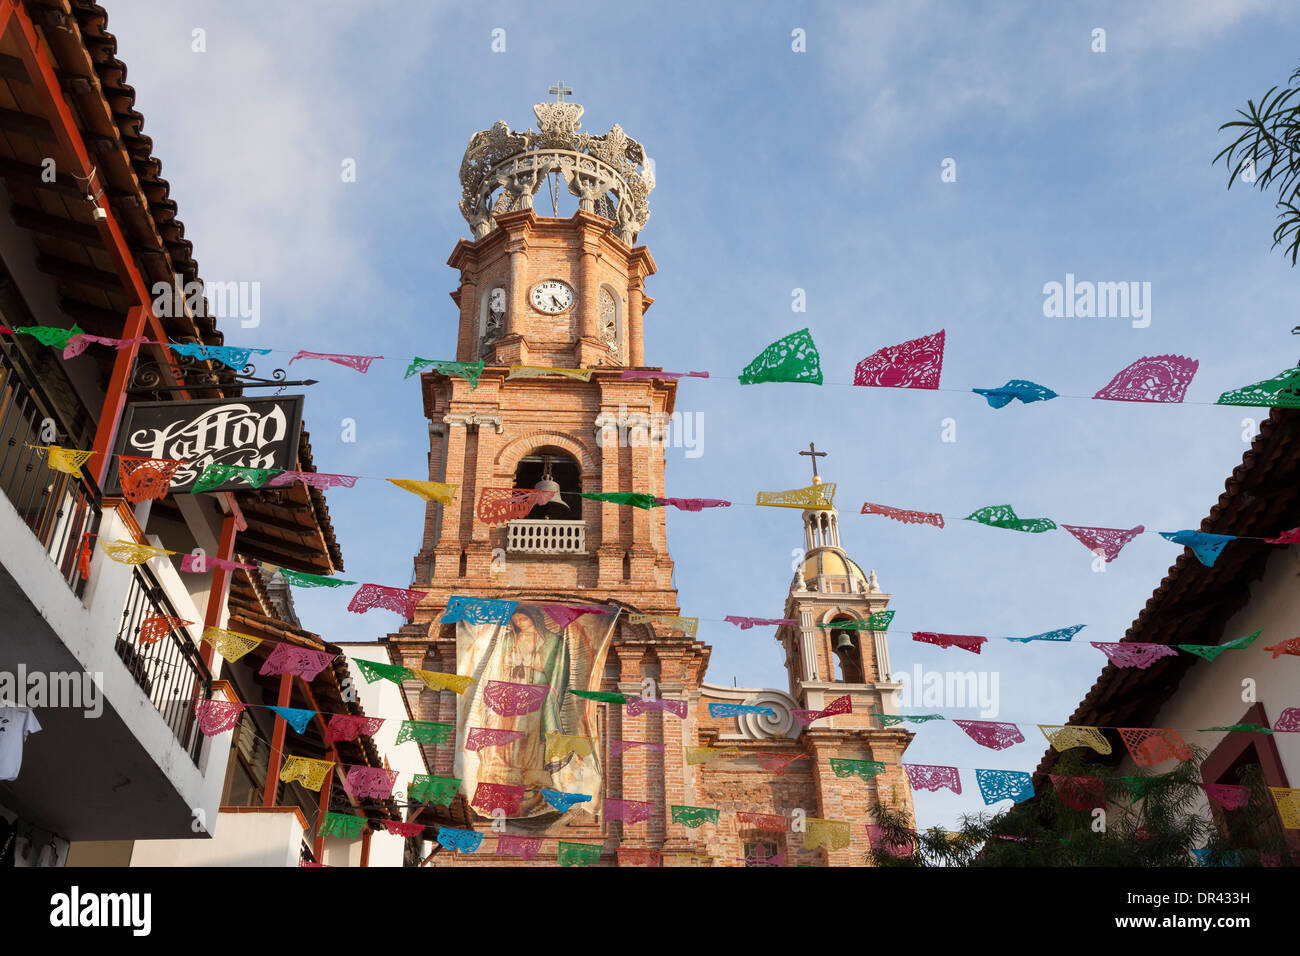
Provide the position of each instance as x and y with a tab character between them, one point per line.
609	174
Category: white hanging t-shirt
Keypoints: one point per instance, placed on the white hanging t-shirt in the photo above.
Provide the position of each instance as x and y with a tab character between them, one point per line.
15	724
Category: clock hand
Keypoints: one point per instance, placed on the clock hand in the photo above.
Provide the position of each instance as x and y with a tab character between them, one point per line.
556	302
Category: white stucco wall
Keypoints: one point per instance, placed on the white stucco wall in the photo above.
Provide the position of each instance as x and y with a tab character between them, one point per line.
87	629
1210	694
260	838
384	699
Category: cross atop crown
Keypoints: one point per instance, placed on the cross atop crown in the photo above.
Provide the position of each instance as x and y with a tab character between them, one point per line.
558	120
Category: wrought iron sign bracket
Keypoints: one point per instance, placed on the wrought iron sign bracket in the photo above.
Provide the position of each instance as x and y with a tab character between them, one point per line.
193	375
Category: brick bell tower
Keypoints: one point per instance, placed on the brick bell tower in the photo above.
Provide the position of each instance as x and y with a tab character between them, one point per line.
825	662
565	294
853	760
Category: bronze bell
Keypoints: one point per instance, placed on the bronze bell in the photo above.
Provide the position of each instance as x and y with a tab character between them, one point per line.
548	483
843	643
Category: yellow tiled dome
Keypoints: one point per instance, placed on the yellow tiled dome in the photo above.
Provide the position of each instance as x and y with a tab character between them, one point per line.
832	561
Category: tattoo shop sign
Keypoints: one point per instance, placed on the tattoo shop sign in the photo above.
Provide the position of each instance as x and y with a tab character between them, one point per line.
251	432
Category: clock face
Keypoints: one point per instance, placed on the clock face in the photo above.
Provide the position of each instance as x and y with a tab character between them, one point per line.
552	297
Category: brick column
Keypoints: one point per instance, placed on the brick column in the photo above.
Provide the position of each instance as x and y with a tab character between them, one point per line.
479	546
830	799
433	510
447	704
642	540
635	306
631	779
518	298
511	348
678	779
609	552
588	288
891	788
447	551
467	341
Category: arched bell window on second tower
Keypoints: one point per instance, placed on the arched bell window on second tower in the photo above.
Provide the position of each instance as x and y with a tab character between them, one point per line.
846	646
557	526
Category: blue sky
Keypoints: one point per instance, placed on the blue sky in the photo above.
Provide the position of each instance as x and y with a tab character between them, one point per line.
779	170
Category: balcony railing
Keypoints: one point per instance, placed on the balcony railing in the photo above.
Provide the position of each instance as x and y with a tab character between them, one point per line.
531	536
62	511
170	670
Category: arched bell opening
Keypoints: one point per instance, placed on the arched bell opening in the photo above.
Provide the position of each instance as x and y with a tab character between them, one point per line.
846	645
554	470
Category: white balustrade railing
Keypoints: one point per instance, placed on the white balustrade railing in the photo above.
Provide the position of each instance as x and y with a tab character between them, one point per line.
547	537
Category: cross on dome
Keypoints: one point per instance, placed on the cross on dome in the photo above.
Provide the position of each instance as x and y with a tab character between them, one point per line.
814	454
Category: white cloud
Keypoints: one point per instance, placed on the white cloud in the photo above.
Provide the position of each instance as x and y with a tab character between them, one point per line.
252	134
924	66
1193	22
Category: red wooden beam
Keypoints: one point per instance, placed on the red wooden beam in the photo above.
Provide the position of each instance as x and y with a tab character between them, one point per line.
232	504
332	752
318	845
110	415
220	585
277	743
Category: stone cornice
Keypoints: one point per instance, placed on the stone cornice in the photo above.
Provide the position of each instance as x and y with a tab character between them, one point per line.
474	418
640	258
822	735
841	595
733	693
840	688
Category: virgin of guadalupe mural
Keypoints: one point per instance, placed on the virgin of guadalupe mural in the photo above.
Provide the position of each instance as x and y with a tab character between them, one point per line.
532	650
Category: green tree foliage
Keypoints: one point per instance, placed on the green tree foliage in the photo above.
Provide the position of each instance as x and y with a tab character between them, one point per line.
1150	820
1266	153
